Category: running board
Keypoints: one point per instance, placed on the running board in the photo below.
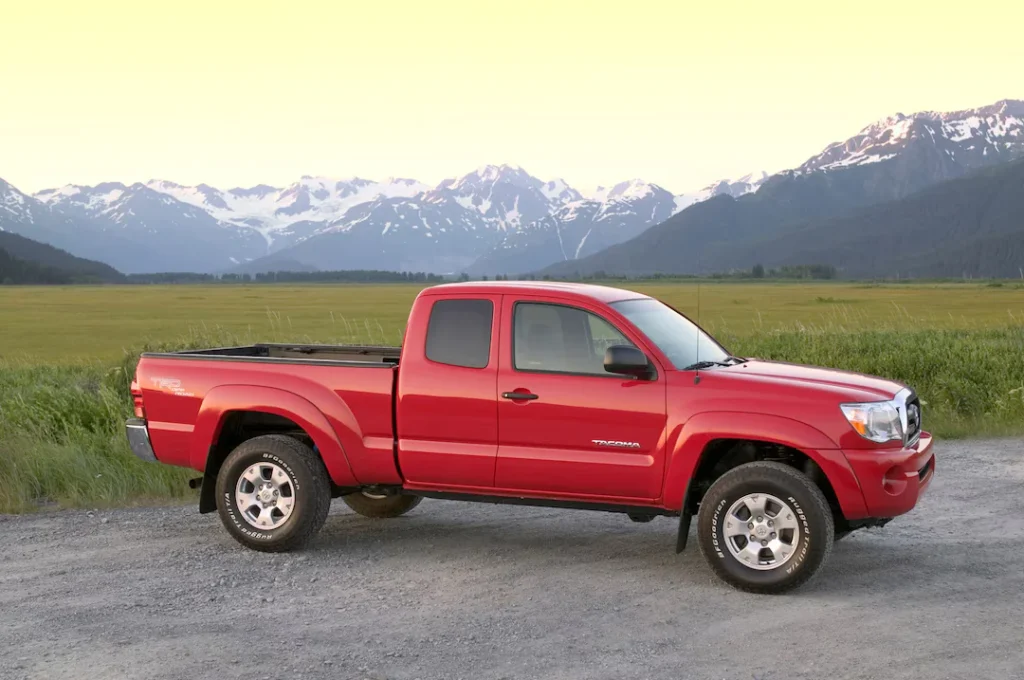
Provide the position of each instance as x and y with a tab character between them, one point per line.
545	503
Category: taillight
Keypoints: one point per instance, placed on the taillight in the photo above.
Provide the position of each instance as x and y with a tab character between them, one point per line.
140	410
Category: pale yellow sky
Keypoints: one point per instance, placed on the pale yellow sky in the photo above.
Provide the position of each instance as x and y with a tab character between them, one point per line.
678	93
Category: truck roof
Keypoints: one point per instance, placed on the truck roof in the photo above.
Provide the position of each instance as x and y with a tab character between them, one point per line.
561	288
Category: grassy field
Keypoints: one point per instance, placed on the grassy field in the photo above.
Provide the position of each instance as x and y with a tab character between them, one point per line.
67	355
62	324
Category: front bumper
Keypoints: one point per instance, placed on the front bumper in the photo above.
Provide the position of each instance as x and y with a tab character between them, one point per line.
138	439
892	480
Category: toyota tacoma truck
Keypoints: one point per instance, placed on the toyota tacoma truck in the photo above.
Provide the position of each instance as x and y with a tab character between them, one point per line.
541	393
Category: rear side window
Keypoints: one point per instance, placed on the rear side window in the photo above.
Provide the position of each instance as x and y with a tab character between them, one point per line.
459	332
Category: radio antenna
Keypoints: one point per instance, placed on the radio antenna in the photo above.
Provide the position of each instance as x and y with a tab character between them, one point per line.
696	377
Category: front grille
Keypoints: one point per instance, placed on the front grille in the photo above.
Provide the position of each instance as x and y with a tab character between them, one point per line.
912	420
909	408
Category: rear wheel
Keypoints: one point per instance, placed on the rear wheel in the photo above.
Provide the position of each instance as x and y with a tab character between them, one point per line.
273	493
380	506
765	527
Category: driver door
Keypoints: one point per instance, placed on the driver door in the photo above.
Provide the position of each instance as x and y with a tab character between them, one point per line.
565	425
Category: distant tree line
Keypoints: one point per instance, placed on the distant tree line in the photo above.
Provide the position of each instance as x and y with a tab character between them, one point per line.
803	271
354	276
799	271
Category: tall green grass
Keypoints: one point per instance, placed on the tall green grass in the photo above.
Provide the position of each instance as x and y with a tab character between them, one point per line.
62	441
61	426
971	382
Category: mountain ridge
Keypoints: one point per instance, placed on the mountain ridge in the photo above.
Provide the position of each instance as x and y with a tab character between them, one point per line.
482	207
888	160
500	219
979	217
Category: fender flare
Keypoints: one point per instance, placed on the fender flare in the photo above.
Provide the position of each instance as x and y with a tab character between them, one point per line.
224	399
695	434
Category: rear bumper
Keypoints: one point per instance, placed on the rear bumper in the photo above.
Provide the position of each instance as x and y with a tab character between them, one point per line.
892	480
138	439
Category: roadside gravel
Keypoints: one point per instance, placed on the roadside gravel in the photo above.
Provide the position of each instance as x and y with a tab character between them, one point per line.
457	590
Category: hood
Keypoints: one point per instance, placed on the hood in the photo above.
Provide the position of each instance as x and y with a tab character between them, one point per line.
855	385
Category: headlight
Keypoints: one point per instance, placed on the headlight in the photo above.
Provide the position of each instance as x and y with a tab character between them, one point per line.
878	421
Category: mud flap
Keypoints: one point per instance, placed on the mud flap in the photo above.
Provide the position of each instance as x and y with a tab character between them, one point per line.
684	522
684	530
208	495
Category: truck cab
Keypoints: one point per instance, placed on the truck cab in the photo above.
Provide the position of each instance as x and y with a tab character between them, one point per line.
542	393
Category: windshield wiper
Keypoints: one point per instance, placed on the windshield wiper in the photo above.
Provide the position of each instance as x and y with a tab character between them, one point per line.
736	360
705	364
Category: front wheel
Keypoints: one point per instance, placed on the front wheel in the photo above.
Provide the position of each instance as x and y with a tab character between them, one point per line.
765	527
273	493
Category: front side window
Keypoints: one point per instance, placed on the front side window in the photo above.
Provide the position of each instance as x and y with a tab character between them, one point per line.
680	339
558	339
459	332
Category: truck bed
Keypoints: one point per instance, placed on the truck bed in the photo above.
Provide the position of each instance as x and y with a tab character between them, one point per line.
293	353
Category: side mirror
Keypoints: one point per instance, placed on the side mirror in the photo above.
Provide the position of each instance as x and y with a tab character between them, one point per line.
627	361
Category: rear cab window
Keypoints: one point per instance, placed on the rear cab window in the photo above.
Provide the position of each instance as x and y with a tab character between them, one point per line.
459	333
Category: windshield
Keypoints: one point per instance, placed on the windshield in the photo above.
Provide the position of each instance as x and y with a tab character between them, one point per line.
674	334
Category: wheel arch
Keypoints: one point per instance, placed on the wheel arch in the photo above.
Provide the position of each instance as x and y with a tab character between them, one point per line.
233	414
710	444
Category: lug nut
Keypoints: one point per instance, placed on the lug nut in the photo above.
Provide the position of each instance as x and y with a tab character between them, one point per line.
753	537
773	535
771	523
760	519
750	525
764	542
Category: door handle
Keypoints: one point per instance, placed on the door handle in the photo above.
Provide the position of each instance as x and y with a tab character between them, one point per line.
518	396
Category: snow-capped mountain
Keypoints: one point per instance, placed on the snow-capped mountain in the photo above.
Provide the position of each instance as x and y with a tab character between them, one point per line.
505	196
18	209
25	215
352	223
443	229
34	219
579	228
886	162
164	234
496	219
404	234
729	187
272	211
736	187
558	190
967	139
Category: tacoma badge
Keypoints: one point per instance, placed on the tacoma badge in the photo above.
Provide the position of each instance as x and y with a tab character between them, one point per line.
619	445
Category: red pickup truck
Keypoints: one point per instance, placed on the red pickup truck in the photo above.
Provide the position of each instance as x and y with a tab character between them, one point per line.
542	393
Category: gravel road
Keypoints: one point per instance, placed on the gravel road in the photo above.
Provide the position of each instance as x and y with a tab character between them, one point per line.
458	590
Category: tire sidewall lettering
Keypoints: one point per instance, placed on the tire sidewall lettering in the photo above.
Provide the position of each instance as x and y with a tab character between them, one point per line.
716	542
805	536
240	524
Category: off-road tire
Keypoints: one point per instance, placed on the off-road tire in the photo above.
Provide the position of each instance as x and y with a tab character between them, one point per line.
794	488
381	508
312	492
